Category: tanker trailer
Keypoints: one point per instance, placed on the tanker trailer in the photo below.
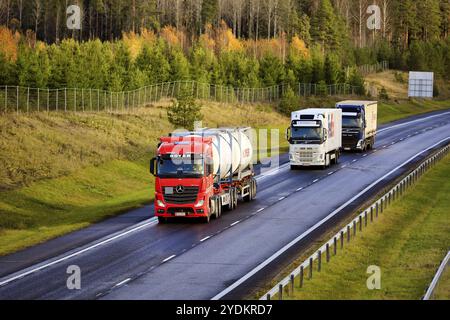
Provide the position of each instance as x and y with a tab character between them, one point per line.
199	174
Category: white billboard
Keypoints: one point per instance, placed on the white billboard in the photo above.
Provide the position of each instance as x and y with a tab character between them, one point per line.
421	84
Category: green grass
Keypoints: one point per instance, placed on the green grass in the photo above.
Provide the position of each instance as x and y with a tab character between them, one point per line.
407	242
442	291
391	111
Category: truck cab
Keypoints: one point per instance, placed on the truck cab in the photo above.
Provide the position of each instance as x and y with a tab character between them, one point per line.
359	124
314	137
183	177
198	174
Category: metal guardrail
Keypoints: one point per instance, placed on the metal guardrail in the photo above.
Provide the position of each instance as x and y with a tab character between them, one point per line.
25	99
436	277
348	232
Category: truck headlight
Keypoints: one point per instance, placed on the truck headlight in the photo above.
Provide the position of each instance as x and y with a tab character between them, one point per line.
159	203
200	203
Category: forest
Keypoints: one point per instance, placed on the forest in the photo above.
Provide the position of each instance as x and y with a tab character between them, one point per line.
123	45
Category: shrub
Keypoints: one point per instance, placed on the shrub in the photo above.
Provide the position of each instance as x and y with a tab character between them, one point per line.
184	111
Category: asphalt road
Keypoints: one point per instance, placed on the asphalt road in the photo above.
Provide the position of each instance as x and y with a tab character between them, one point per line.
191	260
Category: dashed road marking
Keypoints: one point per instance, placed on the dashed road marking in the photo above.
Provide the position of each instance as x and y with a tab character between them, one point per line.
122	282
205	238
235	223
169	258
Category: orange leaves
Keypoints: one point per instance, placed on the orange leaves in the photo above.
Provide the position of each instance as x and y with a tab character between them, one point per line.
9	43
173	37
298	47
135	42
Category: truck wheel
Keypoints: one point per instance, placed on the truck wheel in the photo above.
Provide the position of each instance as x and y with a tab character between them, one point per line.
230	206
235	199
219	209
293	168
207	219
162	220
255	187
248	198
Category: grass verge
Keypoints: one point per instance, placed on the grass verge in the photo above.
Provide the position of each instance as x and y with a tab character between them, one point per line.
408	243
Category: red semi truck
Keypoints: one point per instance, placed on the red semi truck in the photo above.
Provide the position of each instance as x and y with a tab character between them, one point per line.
198	174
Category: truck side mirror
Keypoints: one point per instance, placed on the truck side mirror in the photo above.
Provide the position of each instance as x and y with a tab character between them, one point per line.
288	134
153	166
325	134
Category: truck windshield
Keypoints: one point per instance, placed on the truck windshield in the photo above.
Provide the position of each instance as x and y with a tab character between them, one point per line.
176	167
306	133
351	122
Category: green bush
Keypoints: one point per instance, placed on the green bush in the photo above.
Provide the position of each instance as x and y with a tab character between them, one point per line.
289	102
184	111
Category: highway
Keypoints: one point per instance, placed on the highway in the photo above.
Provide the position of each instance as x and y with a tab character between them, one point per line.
132	257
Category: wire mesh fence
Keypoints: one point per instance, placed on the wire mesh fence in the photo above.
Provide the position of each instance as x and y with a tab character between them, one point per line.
23	99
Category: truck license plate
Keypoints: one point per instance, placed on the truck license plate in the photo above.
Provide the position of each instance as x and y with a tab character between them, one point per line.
180	214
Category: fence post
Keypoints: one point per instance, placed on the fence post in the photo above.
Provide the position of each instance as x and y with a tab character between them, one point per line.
319	260
291	291
311	267
280	292
17	100
342	239
75	99
348	233
335	245
48	100
28	100
38	100
328	252
6	99
65	99
301	276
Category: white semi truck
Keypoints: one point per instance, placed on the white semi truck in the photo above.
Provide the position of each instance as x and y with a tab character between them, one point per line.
315	137
359	124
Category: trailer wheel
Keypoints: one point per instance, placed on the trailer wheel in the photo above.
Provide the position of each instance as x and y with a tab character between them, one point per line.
248	197
255	187
235	198
219	208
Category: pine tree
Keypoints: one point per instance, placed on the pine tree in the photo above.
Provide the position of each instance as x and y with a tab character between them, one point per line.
184	111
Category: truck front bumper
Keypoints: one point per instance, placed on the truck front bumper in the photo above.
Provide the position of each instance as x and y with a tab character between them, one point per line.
296	160
167	210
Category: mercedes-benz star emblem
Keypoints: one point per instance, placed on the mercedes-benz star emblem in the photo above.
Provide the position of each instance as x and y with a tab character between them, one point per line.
179	189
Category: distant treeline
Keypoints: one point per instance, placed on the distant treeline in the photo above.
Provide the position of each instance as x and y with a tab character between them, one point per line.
217	57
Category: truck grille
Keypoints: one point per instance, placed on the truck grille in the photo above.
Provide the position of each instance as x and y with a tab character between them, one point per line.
189	195
305	156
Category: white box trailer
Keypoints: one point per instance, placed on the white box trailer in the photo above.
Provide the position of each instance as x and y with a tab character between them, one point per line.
315	137
359	124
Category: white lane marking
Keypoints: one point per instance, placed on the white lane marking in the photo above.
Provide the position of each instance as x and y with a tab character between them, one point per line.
315	181
169	258
123	282
235	223
365	155
344	166
354	160
330	173
205	238
314	227
150	222
272	171
259	210
282	198
300	189
413	121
